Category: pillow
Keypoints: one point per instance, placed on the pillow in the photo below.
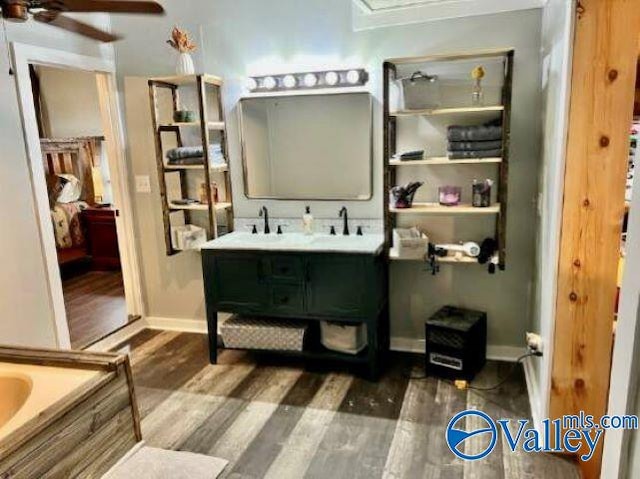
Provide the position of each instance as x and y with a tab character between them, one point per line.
71	189
54	188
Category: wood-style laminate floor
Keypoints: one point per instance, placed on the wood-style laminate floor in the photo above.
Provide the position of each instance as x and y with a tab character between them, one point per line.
276	419
96	306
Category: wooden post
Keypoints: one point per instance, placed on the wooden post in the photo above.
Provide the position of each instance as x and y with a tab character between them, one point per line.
201	86
389	149
604	66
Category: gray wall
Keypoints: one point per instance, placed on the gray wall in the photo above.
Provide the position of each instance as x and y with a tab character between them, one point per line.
242	37
70	103
25	307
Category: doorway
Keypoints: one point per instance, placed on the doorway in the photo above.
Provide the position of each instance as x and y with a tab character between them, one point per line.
73	135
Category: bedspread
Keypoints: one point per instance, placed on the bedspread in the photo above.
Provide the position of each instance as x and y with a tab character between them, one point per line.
66	224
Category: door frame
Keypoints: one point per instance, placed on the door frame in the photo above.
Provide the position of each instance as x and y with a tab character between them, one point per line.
626	352
602	90
23	55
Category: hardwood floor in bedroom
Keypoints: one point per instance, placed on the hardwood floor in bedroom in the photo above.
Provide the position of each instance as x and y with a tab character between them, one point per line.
276	419
96	306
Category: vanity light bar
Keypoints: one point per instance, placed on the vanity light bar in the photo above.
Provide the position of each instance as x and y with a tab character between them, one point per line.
309	80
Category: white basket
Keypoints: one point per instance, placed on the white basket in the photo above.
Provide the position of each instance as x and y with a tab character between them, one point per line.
241	332
343	338
419	92
188	237
410	243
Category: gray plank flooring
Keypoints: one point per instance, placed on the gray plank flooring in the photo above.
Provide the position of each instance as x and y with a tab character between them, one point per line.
274	418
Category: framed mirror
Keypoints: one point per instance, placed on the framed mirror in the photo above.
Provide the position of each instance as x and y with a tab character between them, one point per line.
307	147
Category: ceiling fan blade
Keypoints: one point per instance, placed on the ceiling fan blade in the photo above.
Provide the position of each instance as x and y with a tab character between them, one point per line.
75	26
110	6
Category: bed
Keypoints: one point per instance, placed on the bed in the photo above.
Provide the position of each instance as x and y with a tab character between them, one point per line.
70	160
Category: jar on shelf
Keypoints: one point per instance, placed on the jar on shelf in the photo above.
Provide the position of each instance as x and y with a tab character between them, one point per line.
449	195
481	193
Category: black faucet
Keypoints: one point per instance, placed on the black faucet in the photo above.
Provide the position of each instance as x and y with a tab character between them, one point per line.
264	212
345	215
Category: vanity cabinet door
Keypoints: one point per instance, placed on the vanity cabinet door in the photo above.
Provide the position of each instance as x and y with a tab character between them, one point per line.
336	287
238	284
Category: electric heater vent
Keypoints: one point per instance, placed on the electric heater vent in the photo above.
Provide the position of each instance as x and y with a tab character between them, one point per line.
446	338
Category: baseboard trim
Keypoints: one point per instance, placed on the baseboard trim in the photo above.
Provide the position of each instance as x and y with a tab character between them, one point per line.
405	345
184	325
177	324
494	353
120	336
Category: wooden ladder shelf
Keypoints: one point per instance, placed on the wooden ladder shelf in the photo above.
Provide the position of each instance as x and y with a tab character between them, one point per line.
205	85
392	166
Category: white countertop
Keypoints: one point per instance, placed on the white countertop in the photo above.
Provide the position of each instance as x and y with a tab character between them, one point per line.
298	242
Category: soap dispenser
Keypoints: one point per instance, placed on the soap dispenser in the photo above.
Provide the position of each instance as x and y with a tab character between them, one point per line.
307	221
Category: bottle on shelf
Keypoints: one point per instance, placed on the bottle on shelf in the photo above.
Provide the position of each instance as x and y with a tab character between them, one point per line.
307	221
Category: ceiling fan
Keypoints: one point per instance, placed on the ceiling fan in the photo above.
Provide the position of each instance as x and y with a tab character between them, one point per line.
51	12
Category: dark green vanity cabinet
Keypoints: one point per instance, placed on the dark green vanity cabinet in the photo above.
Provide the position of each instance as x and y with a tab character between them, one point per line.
314	286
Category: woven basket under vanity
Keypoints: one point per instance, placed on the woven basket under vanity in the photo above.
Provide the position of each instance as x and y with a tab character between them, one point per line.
241	332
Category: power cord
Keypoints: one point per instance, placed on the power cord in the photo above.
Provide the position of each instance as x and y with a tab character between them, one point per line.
463	385
504	380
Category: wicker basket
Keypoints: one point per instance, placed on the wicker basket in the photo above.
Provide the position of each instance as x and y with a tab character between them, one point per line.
410	243
241	332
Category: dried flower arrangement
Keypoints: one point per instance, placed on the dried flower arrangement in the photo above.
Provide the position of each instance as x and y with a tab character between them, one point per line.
181	42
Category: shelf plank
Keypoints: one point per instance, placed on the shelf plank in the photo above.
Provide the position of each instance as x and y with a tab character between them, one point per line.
215	168
198	207
443	160
437	209
448	111
464	260
394	256
182	80
318	352
213	125
500	52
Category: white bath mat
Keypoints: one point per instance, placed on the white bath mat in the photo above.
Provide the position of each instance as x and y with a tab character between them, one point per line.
152	463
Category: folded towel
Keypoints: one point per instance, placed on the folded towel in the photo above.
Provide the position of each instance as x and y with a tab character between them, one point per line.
187	161
193	152
475	145
479	154
474	133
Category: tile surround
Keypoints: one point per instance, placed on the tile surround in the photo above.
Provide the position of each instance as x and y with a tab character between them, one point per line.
320	225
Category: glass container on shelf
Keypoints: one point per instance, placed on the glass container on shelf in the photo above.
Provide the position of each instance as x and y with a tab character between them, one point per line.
477	93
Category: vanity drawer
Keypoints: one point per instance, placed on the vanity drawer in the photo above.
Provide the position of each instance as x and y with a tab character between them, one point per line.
286	268
287	298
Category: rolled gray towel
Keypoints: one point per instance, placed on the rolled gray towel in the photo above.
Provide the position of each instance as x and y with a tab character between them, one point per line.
479	154
183	152
475	145
474	133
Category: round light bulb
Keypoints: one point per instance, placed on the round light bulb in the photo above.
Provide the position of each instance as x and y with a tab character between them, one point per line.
269	83
252	84
353	76
310	80
289	81
331	78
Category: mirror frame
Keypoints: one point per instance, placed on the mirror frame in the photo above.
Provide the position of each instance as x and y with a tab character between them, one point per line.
243	148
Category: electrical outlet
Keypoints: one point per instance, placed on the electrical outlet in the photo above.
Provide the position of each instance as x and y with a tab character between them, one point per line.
534	343
143	184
